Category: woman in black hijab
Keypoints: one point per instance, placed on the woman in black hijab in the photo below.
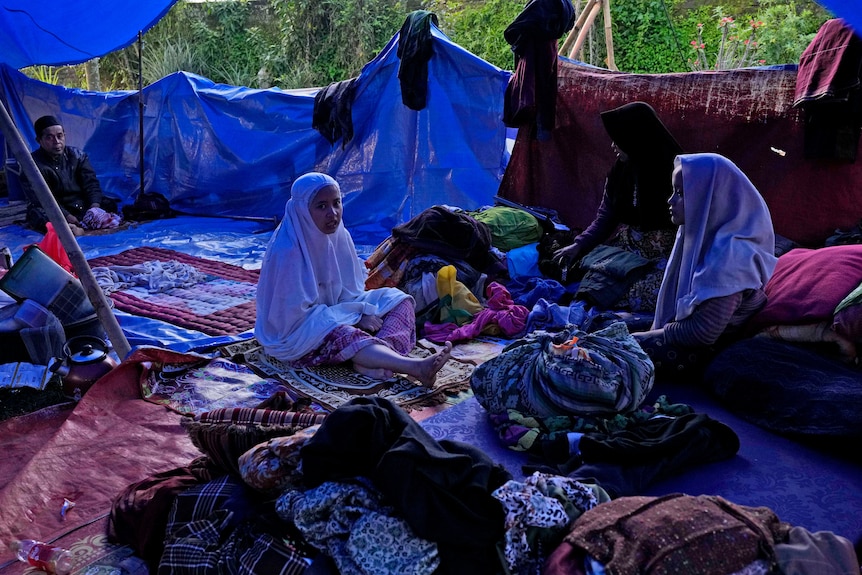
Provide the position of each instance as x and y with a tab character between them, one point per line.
633	214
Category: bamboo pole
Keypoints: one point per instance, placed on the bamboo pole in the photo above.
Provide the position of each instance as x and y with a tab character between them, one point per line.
609	35
588	23
579	24
64	233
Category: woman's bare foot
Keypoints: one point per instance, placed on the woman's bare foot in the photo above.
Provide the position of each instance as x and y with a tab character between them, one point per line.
427	372
373	372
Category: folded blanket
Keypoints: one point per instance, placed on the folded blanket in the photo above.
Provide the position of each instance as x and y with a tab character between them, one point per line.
156	276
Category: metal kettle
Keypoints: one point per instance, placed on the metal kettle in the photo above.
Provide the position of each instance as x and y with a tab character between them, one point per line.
86	360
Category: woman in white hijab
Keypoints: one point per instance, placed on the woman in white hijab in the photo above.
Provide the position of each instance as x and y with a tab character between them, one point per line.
721	260
312	306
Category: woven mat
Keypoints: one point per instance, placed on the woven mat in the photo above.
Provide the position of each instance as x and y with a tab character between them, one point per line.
92	554
192	389
224	304
332	385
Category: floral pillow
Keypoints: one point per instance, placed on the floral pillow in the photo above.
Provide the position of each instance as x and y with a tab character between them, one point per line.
225	434
272	466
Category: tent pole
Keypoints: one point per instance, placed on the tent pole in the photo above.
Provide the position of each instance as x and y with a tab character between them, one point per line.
64	233
595	8
609	36
141	109
576	29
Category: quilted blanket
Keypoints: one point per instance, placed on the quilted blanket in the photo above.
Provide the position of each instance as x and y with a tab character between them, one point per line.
222	303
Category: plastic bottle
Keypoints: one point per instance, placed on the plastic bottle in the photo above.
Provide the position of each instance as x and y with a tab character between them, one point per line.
49	558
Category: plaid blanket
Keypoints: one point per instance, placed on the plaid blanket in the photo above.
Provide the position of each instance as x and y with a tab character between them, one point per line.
221	526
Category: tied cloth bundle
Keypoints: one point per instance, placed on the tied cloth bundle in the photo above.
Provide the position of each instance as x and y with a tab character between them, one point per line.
99	219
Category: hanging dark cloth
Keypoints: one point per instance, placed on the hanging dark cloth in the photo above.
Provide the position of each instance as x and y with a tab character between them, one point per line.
415	49
829	91
531	95
332	111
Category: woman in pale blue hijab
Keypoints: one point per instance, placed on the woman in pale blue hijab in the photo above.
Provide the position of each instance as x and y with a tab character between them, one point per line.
312	305
716	273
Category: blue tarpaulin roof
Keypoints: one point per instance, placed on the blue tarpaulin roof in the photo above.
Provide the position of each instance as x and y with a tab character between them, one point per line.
850	10
227	150
57	32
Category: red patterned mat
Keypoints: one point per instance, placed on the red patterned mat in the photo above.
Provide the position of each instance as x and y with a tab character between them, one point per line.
224	304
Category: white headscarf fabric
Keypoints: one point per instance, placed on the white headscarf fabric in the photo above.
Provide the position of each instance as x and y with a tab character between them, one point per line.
311	282
725	246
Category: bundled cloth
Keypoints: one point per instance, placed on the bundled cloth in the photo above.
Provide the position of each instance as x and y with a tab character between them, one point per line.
99	219
567	373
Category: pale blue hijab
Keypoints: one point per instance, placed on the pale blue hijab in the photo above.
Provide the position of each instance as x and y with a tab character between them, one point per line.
725	246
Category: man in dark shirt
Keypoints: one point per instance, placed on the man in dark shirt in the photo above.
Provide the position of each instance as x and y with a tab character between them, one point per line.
69	175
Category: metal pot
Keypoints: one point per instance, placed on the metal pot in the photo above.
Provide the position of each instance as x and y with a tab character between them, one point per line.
86	360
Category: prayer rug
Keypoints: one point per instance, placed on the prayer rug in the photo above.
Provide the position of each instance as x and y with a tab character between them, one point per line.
92	553
223	304
195	388
332	385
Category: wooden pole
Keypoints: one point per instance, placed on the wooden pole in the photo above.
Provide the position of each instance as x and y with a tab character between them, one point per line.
141	112
64	233
573	34
596	7
609	35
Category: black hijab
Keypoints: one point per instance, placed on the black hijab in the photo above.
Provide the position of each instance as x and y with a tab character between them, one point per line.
639	184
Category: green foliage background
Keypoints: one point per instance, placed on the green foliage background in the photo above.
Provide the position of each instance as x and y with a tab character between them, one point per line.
308	43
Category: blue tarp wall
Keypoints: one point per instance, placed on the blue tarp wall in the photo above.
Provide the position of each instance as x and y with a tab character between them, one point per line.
214	149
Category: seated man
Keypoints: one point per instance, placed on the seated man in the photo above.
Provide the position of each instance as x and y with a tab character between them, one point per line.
72	181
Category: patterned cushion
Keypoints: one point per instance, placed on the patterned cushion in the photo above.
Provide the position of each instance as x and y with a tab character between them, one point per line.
272	465
225	434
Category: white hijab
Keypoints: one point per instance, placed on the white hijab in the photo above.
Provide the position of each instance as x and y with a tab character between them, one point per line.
311	282
725	246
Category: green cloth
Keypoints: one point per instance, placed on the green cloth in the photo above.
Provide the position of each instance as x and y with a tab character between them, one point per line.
510	227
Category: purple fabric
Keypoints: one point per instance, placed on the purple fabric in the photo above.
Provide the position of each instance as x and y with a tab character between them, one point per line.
829	66
500	310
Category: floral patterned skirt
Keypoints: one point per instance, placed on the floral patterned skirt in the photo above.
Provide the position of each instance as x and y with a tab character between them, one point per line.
398	333
653	245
